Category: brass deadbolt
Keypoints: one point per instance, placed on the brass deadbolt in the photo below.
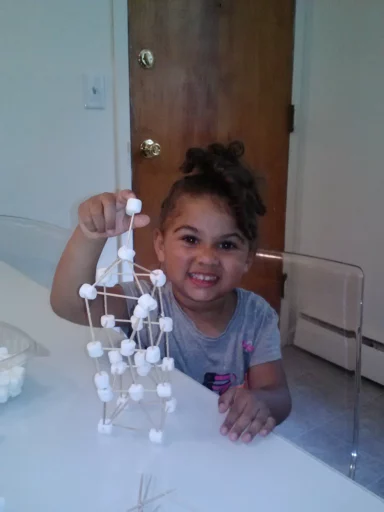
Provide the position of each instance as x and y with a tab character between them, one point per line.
146	59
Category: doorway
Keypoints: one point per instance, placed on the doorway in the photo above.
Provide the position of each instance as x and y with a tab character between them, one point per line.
217	71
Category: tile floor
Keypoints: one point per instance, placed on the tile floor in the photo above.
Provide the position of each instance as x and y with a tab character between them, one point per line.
321	418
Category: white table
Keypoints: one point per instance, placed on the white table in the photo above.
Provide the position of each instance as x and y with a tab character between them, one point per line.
53	460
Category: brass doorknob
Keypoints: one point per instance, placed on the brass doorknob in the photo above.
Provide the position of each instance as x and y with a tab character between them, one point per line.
150	148
146	59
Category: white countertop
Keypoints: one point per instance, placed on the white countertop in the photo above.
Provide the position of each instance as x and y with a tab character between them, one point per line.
52	458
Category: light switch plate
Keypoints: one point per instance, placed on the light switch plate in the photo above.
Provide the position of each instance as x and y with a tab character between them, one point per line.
94	91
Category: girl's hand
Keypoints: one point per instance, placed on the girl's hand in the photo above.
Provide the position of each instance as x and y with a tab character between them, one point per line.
104	215
247	415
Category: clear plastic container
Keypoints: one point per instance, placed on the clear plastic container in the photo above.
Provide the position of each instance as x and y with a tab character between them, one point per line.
13	365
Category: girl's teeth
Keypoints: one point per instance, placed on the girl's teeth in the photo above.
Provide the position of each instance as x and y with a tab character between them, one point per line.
202	277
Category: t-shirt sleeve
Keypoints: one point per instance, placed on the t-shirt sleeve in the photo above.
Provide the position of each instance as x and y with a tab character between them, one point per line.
267	346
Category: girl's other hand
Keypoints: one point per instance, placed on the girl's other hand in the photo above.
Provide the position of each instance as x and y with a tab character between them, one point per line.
104	216
247	415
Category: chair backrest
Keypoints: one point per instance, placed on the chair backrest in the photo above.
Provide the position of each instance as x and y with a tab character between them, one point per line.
32	247
325	292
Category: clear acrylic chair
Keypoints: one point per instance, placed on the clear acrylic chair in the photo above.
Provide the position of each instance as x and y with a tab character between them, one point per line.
32	247
321	309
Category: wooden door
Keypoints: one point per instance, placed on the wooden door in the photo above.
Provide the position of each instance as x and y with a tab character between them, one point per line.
223	71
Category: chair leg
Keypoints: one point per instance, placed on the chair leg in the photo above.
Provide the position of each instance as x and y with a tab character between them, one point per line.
356	410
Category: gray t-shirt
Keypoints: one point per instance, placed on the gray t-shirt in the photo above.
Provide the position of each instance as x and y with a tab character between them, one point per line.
252	337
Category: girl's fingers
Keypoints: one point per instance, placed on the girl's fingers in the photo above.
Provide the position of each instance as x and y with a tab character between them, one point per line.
88	224
235	412
226	399
97	213
268	427
243	421
260	426
122	198
141	220
109	206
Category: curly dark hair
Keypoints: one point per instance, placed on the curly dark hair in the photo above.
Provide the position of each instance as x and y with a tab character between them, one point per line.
218	171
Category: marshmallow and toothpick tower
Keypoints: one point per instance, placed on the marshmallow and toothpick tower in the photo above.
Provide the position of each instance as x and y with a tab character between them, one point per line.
130	362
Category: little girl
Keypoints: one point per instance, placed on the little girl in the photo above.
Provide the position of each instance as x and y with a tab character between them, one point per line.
205	243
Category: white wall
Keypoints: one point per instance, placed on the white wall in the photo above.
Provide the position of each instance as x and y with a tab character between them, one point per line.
54	153
335	200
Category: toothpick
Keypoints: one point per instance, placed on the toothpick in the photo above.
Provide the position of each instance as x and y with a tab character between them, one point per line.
147	414
150	329
141	490
167	343
128	428
90	320
138	283
110	339
139	340
159	338
104	412
163	415
119	409
130	228
161	302
142	268
108	294
105	300
131	369
155	498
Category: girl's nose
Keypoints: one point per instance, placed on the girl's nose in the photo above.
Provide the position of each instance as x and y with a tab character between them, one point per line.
207	256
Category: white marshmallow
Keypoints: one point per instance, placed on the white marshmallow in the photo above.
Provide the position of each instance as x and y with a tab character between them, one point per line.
105	395
118	368
18	372
4	394
128	348
168	364
108	321
14	390
95	349
109	280
140	312
144	369
164	390
166	324
137	323
136	392
157	278
170	405
4	378
152	354
101	380
114	356
3	351
104	428
125	253
147	302
134	206
87	291
156	436
139	358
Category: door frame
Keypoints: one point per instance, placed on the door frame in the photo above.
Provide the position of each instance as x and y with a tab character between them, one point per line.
121	108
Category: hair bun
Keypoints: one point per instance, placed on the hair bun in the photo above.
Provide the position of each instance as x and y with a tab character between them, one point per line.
194	158
236	149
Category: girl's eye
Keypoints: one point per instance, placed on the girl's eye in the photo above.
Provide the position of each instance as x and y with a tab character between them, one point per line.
228	246
190	239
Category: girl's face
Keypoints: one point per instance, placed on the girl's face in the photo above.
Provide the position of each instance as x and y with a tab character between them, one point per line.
202	250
